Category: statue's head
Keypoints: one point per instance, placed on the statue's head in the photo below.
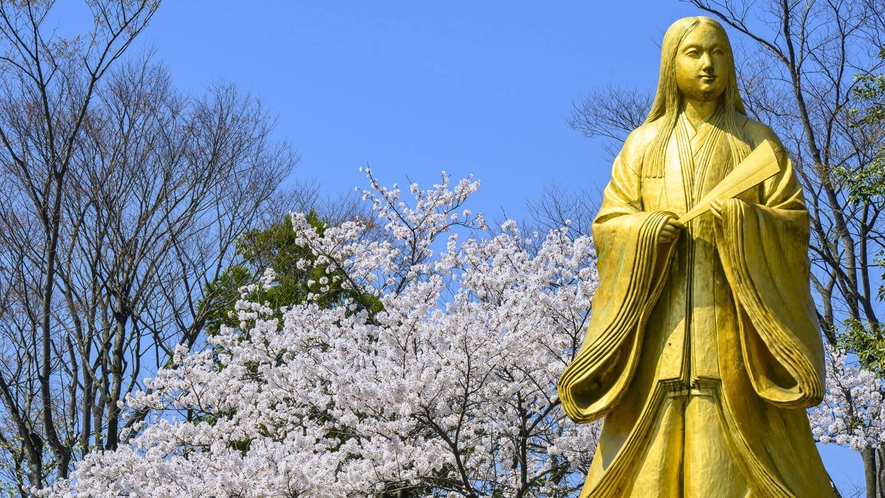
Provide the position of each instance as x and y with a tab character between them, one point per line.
696	63
703	63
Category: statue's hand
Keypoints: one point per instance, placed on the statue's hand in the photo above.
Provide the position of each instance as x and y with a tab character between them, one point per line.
670	231
716	208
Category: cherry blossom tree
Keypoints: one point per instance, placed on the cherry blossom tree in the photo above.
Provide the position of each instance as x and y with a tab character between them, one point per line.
447	390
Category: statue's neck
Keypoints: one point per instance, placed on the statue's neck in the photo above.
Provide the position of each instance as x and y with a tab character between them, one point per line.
699	112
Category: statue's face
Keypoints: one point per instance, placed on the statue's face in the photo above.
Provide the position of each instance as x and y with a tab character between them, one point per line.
703	64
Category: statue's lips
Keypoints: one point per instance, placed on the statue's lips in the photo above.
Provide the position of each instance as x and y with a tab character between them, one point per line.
708	78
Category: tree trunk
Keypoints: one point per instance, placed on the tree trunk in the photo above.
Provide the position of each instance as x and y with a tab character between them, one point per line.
869	470
879	487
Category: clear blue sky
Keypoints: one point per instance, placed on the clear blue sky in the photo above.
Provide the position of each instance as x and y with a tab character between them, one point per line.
414	88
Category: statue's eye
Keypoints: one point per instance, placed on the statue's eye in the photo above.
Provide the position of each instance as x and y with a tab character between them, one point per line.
691	52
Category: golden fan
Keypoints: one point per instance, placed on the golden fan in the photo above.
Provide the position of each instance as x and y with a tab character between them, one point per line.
759	166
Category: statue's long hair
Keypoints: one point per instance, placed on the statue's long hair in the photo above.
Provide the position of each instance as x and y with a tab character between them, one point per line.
668	99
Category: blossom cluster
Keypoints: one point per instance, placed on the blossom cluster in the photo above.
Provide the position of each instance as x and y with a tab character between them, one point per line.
852	412
448	390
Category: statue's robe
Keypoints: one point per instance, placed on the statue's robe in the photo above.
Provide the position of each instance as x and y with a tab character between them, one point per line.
702	353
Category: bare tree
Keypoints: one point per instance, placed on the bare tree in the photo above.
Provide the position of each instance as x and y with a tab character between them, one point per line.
560	206
47	90
121	200
610	113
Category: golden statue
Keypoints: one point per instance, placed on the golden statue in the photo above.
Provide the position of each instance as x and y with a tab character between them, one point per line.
703	349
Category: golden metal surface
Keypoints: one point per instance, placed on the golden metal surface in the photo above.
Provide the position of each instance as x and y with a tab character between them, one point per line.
703	348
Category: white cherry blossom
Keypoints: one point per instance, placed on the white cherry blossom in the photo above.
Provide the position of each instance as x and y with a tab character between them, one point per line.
852	412
449	391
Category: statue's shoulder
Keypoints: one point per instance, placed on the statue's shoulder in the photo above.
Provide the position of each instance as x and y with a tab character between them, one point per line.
641	138
756	132
637	144
644	135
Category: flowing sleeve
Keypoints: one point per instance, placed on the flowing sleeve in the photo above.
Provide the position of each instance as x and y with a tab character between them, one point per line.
764	251
632	267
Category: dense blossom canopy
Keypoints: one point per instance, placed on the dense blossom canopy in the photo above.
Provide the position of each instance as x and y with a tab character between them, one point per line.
448	391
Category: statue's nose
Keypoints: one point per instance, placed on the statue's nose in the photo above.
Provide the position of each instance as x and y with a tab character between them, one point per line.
707	62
